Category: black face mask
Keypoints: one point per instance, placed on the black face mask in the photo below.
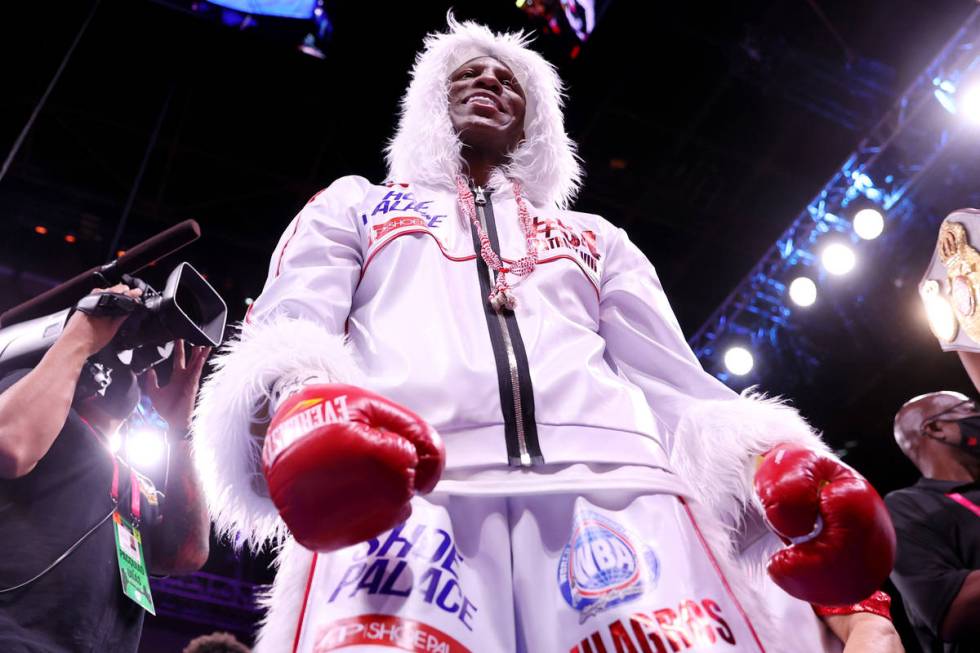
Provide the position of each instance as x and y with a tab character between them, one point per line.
969	430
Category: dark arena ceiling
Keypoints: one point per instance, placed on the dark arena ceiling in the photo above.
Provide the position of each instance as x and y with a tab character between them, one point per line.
705	128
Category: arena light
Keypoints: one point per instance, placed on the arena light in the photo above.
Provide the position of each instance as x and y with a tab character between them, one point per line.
838	259
281	8
869	223
803	291
739	361
968	105
144	447
115	441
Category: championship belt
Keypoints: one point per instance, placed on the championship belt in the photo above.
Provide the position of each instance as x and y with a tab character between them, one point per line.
950	288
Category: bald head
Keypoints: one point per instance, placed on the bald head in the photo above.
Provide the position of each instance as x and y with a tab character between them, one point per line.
911	418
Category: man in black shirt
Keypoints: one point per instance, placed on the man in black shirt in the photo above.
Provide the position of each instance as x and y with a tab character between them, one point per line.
937	521
60	586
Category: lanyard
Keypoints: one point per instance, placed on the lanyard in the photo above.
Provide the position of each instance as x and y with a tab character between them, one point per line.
134	490
134	487
966	503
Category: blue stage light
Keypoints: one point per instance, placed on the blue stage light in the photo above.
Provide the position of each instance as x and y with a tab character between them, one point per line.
281	8
862	181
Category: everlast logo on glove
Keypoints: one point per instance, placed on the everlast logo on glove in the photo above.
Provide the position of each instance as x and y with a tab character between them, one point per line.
304	416
343	451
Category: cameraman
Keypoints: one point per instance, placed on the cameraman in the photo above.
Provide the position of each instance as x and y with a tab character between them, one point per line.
60	585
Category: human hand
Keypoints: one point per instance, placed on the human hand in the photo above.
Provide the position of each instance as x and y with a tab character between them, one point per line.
92	333
175	401
863	632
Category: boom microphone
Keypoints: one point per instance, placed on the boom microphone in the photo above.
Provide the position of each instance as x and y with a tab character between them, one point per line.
135	259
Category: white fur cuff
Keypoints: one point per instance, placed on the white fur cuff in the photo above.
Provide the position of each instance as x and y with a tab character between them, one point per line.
226	454
716	443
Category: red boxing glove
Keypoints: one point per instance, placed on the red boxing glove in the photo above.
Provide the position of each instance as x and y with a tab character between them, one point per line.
342	464
841	540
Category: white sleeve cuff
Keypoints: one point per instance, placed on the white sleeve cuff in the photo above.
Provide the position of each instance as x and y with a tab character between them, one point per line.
233	401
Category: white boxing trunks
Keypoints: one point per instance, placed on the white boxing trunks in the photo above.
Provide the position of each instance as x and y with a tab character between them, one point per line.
602	570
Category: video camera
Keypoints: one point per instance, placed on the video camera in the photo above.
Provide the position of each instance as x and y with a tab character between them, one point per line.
188	308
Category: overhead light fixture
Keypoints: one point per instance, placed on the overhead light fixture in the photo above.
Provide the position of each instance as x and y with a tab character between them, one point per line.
868	223
968	106
739	361
838	259
803	291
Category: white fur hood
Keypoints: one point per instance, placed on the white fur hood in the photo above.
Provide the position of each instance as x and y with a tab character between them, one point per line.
425	148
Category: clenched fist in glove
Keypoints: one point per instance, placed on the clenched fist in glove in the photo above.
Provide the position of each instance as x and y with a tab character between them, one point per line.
342	464
841	543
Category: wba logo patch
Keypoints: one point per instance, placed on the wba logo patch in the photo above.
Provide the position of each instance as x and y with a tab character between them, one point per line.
603	565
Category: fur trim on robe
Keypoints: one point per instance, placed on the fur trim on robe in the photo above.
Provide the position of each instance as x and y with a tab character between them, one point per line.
283	602
715	449
232	402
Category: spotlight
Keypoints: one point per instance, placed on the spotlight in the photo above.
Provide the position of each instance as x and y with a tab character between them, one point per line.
739	361
868	223
838	259
803	291
115	441
144	447
969	104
